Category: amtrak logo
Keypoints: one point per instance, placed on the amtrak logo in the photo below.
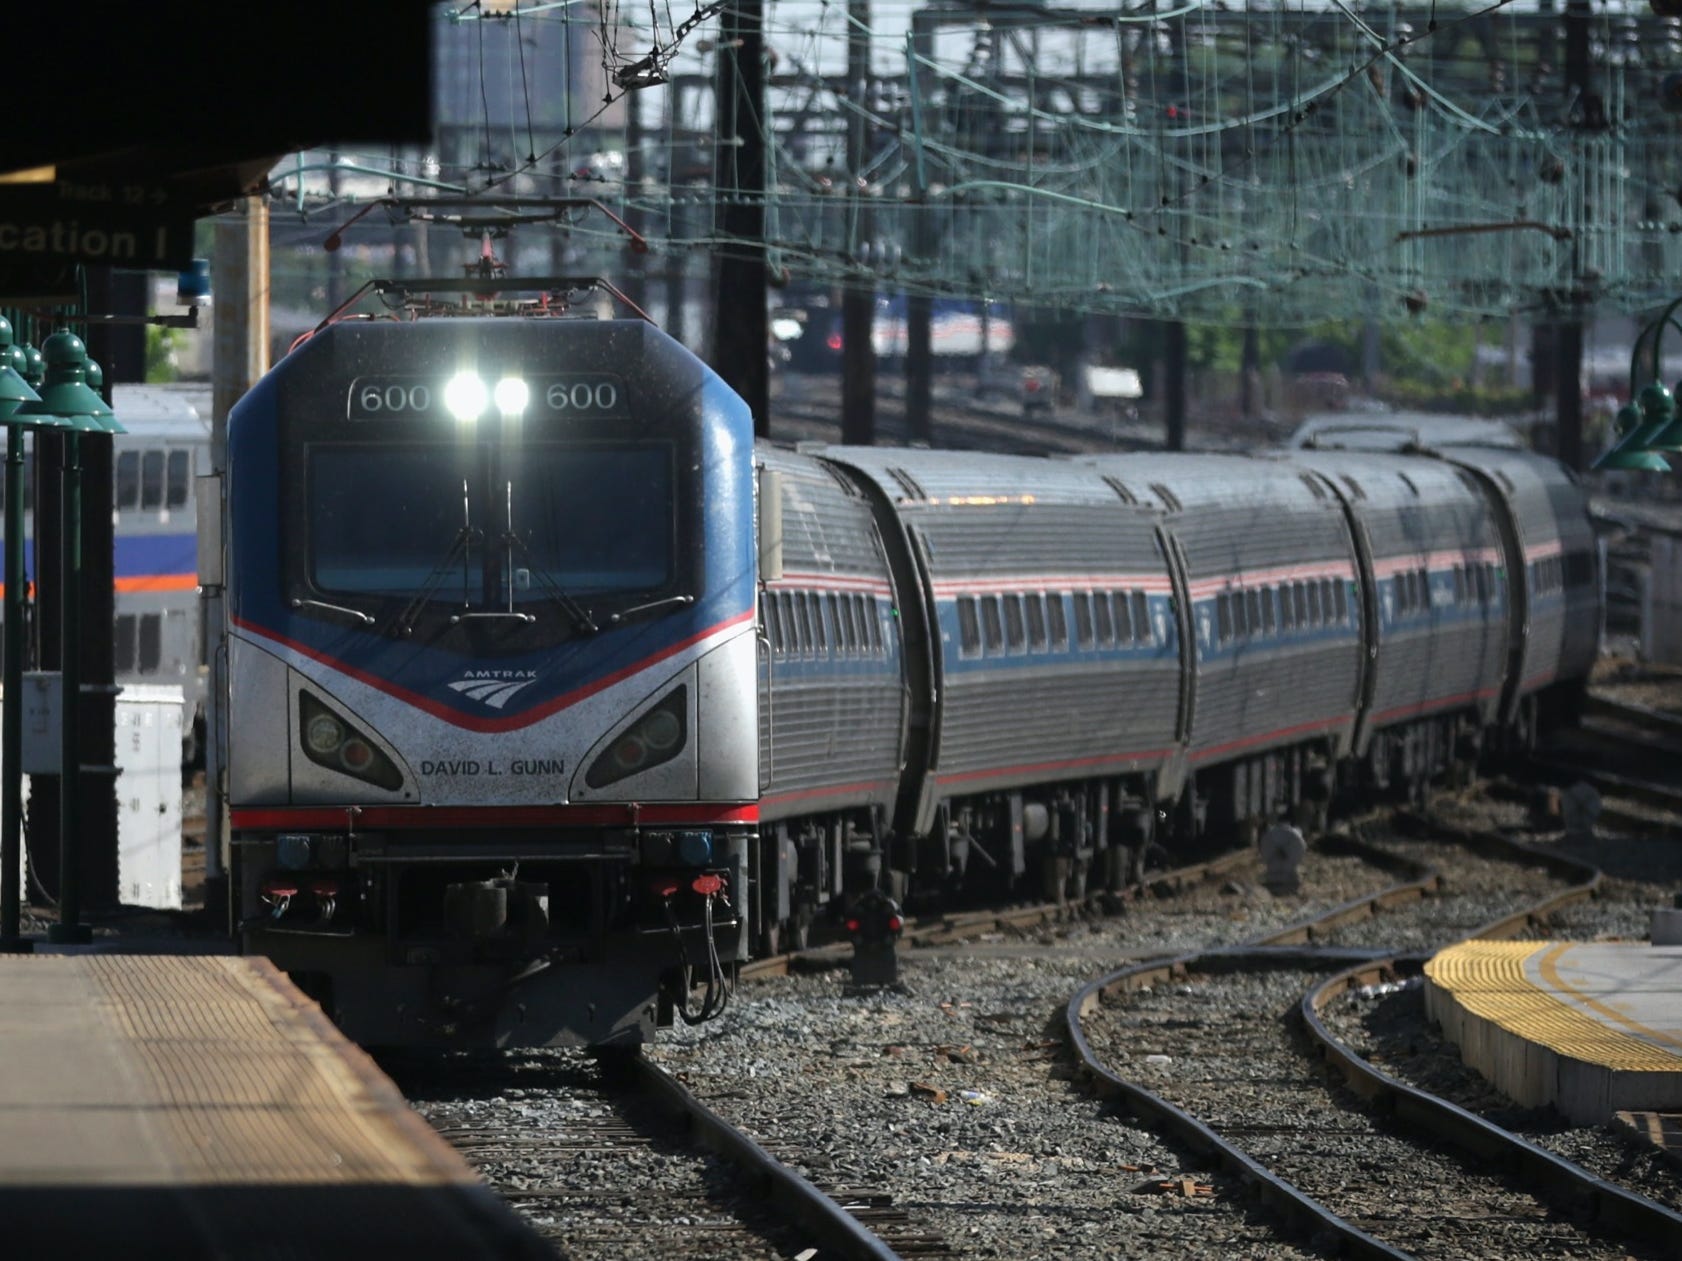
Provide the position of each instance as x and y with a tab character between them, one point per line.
494	688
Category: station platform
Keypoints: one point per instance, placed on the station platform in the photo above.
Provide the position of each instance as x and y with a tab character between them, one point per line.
1591	1028
200	1106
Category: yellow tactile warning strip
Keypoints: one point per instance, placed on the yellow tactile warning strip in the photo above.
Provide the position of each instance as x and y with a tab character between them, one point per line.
217	1067
1489	980
188	1107
256	1085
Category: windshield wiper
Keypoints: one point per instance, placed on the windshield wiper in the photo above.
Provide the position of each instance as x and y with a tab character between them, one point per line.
299	602
460	545
492	615
620	616
572	608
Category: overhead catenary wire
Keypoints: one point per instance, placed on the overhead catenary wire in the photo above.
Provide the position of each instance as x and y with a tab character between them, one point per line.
1270	171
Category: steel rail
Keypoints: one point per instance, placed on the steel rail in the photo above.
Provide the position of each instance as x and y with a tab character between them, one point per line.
1271	950
1660	720
835	1231
948	927
1425	1114
1437	1118
1645	791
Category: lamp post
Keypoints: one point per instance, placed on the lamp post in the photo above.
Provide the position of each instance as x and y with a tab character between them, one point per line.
14	392
65	394
1648	424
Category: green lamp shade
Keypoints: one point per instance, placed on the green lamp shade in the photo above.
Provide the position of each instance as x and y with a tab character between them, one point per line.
1631	450
1635	461
1668	438
14	393
65	392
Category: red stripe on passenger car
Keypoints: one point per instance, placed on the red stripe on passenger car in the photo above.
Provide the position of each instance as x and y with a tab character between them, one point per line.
625	814
1036	767
1300	729
829	790
1441	702
515	722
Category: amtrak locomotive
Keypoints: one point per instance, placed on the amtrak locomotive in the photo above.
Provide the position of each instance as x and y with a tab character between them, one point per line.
550	697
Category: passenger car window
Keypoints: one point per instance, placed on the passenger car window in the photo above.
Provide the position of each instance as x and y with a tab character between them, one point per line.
1101	625
122	657
151	643
820	639
1015	632
1123	618
1034	606
1055	623
175	491
992	632
969	628
128	480
151	480
1083	619
1142	630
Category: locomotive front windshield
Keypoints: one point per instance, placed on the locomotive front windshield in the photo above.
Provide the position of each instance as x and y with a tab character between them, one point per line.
459	522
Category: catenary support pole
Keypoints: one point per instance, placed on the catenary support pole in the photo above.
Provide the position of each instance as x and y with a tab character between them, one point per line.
741	327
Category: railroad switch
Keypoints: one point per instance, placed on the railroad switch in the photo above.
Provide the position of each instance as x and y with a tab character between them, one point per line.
874	925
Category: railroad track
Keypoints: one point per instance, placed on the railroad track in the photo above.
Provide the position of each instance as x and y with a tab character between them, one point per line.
948	928
1399	1173
613	1157
1628	752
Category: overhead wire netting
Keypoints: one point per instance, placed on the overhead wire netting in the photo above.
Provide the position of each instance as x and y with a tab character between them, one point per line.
1283	163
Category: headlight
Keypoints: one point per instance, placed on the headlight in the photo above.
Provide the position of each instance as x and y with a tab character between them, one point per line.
465	397
512	395
332	743
323	734
657	737
662	730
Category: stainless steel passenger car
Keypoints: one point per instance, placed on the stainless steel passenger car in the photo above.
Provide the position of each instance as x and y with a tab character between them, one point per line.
1270	582
1429	547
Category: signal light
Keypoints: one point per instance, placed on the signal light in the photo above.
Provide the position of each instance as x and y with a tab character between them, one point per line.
853	925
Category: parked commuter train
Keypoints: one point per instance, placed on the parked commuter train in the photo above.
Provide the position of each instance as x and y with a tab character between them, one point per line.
157	636
551	696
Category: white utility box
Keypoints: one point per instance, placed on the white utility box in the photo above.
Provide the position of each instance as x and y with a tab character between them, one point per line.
149	796
148	761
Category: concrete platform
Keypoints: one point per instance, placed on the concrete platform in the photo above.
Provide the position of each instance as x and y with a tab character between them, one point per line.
196	1106
1589	1028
